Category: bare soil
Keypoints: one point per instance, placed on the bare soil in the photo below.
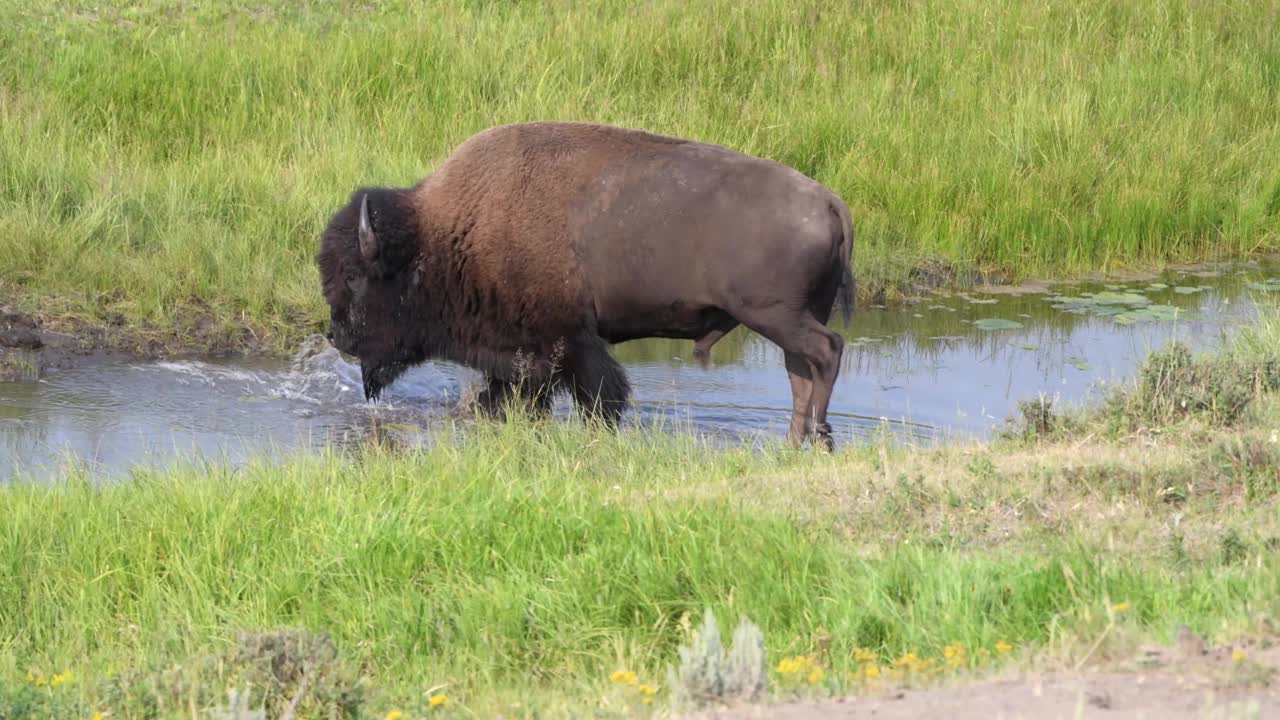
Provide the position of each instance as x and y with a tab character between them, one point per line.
1048	697
1183	681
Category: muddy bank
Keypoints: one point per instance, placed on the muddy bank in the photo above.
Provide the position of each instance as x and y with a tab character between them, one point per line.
27	350
31	343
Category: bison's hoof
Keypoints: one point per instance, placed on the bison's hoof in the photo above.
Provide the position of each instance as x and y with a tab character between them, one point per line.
823	437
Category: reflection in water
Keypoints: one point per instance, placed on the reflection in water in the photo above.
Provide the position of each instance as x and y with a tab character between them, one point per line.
926	369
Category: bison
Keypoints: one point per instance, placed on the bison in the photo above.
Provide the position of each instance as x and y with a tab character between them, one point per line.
535	246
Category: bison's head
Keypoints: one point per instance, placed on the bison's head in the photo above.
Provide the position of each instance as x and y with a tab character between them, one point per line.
367	269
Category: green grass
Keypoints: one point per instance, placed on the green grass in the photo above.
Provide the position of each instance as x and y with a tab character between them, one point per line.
172	163
516	568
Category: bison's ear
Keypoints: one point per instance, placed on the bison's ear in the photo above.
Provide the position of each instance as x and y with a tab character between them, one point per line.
368	241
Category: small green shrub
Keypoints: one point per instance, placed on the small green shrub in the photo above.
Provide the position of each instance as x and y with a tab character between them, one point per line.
706	675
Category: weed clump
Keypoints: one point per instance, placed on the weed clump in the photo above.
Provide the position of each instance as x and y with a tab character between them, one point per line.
280	673
706	675
1173	385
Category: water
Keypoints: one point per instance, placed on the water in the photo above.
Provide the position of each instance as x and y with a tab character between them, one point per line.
927	371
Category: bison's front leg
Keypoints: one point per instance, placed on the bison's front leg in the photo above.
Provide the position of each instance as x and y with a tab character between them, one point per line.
492	401
599	384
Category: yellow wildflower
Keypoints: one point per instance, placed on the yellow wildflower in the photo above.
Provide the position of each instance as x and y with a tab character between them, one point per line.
60	678
863	655
439	700
955	654
1238	656
907	662
793	665
1120	607
97	715
648	691
866	671
1003	647
623	677
394	715
805	666
912	663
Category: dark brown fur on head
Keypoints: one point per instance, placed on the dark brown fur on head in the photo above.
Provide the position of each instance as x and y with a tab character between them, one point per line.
370	286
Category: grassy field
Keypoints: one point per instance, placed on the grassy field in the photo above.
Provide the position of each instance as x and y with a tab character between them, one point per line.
518	569
167	166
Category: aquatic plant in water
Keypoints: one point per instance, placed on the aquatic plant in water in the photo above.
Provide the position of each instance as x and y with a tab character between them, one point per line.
996	324
1126	308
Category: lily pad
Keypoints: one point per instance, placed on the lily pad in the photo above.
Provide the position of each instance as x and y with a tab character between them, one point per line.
1189	289
1150	313
1266	286
1025	346
1157	286
1101	304
1118	298
996	324
988	301
942	307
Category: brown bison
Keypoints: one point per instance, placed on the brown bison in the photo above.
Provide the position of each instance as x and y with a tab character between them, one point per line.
535	246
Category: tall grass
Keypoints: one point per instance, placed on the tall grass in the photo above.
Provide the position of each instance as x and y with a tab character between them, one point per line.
172	163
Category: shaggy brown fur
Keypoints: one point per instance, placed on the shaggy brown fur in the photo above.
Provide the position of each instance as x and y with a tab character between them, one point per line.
535	246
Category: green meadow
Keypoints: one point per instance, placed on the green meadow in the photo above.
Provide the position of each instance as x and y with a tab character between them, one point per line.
165	169
167	166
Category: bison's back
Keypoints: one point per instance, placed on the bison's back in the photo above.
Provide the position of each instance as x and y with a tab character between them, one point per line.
558	221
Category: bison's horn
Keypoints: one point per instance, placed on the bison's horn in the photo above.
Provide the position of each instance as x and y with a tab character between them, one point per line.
368	242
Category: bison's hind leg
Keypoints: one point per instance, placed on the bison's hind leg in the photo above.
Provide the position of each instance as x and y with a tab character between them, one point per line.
599	384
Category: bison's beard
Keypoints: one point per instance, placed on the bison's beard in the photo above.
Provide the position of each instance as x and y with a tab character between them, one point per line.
376	377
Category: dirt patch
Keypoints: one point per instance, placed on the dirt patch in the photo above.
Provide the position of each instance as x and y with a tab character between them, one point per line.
1043	697
1183	680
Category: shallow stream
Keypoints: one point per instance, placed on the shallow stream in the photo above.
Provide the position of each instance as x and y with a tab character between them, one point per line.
948	366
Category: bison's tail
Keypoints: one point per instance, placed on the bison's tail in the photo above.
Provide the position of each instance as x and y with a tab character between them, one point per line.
848	287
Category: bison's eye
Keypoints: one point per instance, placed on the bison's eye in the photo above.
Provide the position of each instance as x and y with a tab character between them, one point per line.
356	283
